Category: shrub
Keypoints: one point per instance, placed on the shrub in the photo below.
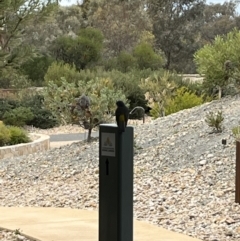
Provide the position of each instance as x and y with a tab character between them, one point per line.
146	57
155	111
17	135
125	61
184	99
43	119
7	105
36	68
215	120
4	134
236	132
18	116
59	70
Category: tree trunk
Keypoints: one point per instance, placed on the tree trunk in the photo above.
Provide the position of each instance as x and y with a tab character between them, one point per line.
89	134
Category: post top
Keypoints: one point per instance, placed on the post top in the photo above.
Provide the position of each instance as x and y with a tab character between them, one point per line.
112	125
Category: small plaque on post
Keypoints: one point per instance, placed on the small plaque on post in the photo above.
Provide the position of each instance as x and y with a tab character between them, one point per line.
108	144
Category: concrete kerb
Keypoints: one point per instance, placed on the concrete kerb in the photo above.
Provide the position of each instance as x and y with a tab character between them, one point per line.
41	143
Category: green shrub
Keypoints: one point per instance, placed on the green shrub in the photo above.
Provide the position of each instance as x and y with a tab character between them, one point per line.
155	112
36	69
146	57
43	119
236	132
184	99
58	71
125	61
18	116
17	135
215	120
7	105
4	134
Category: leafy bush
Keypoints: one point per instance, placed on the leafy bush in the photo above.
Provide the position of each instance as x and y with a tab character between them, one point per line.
18	117
58	71
125	61
183	99
7	105
17	135
43	119
146	57
36	69
215	120
4	134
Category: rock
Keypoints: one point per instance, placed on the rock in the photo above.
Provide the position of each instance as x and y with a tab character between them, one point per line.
203	162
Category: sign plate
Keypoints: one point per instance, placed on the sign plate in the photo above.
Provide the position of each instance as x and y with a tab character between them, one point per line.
108	144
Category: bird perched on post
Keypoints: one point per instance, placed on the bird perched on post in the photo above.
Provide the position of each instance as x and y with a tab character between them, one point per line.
121	114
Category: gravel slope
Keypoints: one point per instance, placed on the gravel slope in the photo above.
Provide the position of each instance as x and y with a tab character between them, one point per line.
184	178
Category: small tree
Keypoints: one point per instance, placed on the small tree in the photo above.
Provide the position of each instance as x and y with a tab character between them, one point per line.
98	97
81	50
57	99
219	62
97	104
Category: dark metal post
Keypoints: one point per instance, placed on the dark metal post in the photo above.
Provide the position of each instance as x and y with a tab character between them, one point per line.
237	191
115	184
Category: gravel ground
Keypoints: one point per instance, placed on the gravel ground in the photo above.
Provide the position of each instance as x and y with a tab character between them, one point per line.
184	178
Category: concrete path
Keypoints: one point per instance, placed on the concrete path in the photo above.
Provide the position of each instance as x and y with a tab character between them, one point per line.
64	224
71	137
59	140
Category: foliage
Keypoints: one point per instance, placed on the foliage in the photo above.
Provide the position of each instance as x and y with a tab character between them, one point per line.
125	61
81	50
4	134
58	71
57	99
219	19
18	135
236	132
158	89
122	24
18	116
183	99
128	83
7	105
14	15
43	118
215	120
146	58
36	69
176	26
219	62
103	97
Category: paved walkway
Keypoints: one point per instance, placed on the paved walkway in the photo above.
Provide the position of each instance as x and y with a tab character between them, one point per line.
59	140
64	224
